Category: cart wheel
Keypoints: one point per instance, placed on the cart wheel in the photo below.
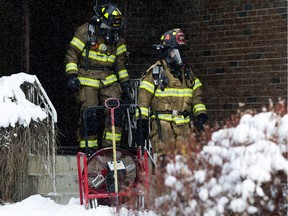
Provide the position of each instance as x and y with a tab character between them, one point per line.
93	203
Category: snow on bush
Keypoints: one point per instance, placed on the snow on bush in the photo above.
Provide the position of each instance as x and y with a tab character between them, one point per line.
242	170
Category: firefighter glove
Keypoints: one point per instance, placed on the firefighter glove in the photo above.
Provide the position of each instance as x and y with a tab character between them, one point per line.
73	82
186	113
201	119
144	124
126	92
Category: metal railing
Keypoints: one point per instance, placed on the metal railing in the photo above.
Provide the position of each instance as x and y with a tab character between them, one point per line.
36	94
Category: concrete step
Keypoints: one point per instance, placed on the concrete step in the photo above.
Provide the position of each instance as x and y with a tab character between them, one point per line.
64	164
66	178
63	183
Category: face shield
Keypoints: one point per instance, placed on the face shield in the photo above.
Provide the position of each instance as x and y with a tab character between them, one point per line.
175	57
109	34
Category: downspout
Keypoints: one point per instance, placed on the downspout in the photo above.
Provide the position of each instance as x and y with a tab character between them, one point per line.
25	64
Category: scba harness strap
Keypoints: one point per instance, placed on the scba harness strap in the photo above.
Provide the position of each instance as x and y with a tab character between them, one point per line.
90	41
160	78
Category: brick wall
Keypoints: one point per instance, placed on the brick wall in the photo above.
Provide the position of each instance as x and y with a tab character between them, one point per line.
144	26
238	48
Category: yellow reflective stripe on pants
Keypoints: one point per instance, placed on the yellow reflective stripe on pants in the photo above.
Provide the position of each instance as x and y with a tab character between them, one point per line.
91	143
108	136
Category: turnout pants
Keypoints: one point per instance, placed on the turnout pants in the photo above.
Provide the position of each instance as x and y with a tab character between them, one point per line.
98	123
171	136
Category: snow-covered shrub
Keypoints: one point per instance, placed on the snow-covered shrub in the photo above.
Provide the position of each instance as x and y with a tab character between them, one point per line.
241	170
16	144
24	129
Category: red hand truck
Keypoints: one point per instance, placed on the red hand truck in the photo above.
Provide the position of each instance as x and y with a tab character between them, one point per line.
96	173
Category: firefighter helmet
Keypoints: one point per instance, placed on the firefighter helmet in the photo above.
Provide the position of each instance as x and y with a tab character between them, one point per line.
109	15
173	39
172	42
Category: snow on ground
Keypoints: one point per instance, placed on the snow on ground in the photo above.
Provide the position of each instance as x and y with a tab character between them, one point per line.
37	205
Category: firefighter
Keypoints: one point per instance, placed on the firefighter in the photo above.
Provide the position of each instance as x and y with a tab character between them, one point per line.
96	70
170	95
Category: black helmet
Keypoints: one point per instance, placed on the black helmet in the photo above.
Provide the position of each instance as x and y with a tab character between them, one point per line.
171	43
109	15
173	39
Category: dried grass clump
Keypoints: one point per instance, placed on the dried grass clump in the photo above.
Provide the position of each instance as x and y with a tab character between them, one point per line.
192	179
16	144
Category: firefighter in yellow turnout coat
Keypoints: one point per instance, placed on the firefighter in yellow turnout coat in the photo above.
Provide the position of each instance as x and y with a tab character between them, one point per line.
95	67
169	93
